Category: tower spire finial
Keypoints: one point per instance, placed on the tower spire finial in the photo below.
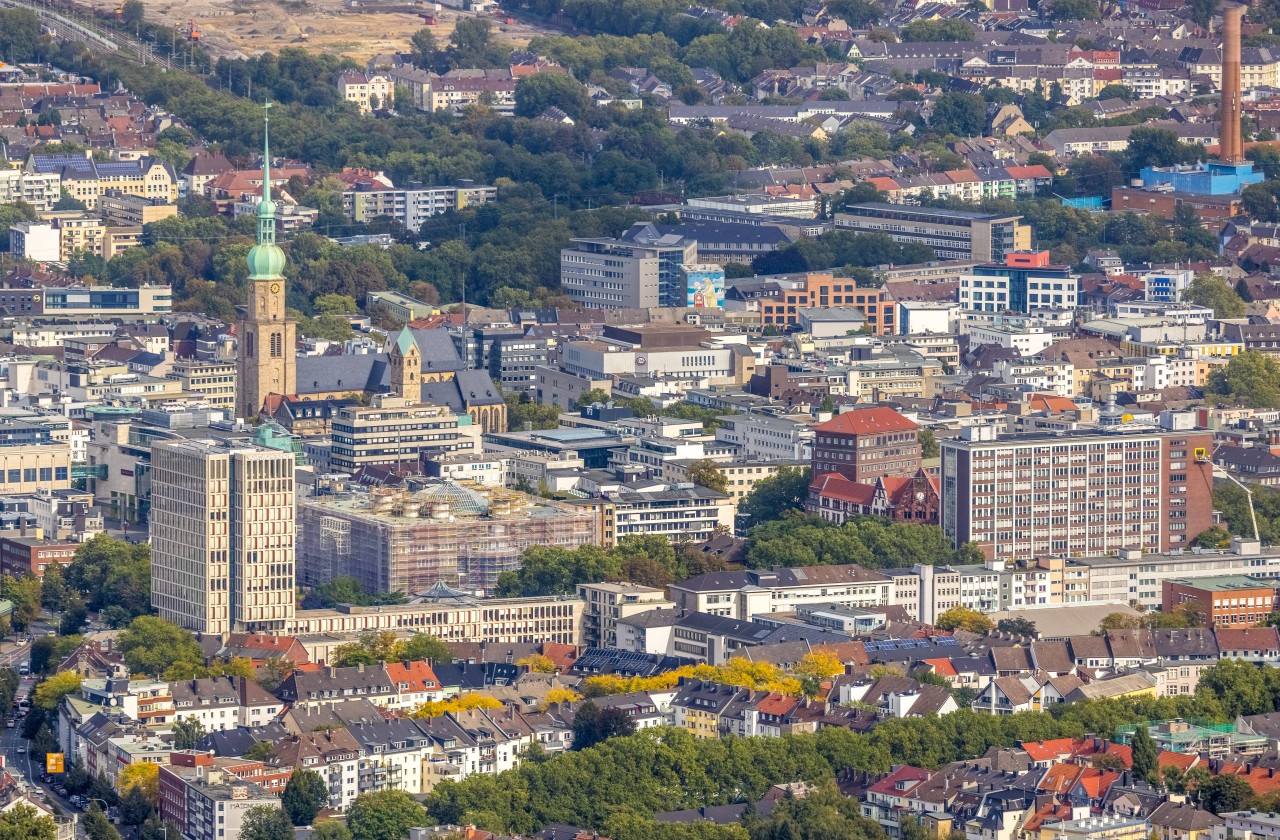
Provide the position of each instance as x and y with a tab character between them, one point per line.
266	207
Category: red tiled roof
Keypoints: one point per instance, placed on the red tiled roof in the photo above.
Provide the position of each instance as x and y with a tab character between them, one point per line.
777	704
1061	778
1181	762
1022	172
867	421
889	784
941	667
1097	782
836	486
418	675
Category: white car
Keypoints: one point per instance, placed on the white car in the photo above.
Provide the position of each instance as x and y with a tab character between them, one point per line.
22	750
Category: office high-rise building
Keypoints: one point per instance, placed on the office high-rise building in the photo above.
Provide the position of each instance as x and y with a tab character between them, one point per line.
1086	493
222	535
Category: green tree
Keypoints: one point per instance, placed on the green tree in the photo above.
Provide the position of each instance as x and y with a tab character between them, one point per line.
592	724
1145	765
330	830
22	822
537	93
152	645
68	202
304	796
425	49
706	474
523	413
961	114
1018	626
928	444
1224	793
937	30
1159	147
187	733
385	815
1261	202
1213	537
132	13
1202	12
1076	10
785	490
112	572
1117	91
591	396
266	822
97	826
53	588
1211	291
24	592
20	37
422	646
1251	379
135	809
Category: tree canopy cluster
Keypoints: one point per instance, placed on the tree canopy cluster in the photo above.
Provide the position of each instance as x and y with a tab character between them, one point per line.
619	783
649	560
1234	504
871	541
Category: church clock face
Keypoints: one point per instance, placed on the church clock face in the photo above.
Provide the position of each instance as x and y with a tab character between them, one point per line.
275	288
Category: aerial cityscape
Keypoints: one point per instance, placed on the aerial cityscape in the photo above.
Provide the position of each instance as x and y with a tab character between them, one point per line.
557	420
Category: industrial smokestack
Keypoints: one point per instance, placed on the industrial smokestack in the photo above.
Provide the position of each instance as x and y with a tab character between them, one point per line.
1230	147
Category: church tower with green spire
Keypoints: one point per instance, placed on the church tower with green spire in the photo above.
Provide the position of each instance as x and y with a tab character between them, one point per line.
267	339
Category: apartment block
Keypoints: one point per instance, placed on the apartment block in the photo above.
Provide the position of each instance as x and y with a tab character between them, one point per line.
396	431
952	234
1082	493
222	535
414	205
368	91
604	604
40	190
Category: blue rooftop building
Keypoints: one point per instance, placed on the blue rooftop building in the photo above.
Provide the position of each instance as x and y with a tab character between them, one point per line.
1212	178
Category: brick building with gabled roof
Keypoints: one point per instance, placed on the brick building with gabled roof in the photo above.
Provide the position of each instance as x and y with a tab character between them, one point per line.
866	443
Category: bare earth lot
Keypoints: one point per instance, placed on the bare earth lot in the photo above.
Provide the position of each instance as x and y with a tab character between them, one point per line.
231	27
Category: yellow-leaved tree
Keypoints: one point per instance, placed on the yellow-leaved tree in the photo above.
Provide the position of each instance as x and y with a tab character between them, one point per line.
560	694
461	703
143	775
820	664
50	692
537	663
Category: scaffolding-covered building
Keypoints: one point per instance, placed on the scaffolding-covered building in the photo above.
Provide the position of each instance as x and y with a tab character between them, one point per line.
435	531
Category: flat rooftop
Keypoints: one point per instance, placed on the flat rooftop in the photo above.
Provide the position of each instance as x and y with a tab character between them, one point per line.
1227	583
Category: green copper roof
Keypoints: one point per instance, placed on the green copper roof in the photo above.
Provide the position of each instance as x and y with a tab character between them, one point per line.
405	342
266	260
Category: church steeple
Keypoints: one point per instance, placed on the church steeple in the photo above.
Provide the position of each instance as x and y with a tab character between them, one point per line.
266	335
266	260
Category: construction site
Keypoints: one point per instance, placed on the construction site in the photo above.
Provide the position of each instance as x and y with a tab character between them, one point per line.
241	28
406	539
